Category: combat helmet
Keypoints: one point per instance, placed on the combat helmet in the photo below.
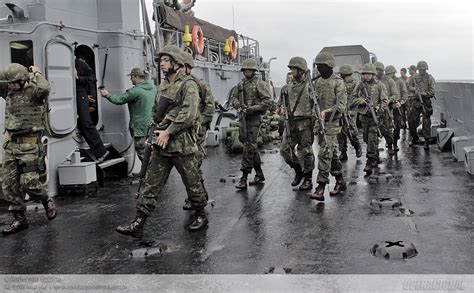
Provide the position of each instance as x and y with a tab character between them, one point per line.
249	64
15	72
412	67
346	70
188	59
325	58
368	68
299	63
422	65
390	69
379	65
174	52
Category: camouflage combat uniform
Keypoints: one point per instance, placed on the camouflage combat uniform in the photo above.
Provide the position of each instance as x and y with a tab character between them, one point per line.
378	93
140	99
301	121
398	114
181	149
349	131
23	152
332	96
386	116
180	122
426	87
257	99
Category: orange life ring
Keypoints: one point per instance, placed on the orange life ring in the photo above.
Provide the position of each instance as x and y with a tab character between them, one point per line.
233	48
197	39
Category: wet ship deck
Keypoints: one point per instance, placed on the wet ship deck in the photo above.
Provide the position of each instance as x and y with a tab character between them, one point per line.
267	226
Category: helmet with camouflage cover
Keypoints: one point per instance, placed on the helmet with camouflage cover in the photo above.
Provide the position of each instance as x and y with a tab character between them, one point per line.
390	69
379	65
422	65
368	68
298	62
174	52
325	58
412	67
249	64
15	72
188	59
346	70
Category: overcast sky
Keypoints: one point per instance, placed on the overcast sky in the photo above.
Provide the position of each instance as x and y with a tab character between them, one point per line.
398	32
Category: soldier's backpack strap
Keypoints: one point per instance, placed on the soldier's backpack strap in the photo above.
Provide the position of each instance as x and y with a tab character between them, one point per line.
298	99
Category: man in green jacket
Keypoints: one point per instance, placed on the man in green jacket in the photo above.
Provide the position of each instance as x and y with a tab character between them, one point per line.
140	99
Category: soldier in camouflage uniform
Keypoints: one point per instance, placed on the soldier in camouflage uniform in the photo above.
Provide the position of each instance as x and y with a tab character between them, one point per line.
423	84
207	103
332	96
206	111
23	152
404	78
279	110
176	145
386	117
140	99
300	111
350	130
256	101
378	93
398	113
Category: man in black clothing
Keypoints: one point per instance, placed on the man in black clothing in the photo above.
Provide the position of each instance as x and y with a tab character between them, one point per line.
85	83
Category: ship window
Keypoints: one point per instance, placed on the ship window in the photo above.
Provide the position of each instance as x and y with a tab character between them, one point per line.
22	52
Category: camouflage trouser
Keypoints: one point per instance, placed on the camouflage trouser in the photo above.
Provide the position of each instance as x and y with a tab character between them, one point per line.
386	126
22	164
352	134
405	109
398	123
414	118
140	146
371	137
251	157
328	159
157	174
302	137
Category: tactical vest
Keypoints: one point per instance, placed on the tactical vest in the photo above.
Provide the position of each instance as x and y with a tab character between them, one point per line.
350	86
326	90
422	82
374	90
305	104
23	112
250	90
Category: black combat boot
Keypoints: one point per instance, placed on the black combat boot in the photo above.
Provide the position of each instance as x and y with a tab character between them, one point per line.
340	186
188	205
19	223
368	167
298	176
135	228
343	157
259	178
427	145
200	221
390	151
319	192
242	182
413	141
49	208
395	146
307	182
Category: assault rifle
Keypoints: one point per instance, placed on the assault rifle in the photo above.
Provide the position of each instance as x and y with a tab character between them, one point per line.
346	122
287	118
419	96
313	95
242	114
160	113
370	105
